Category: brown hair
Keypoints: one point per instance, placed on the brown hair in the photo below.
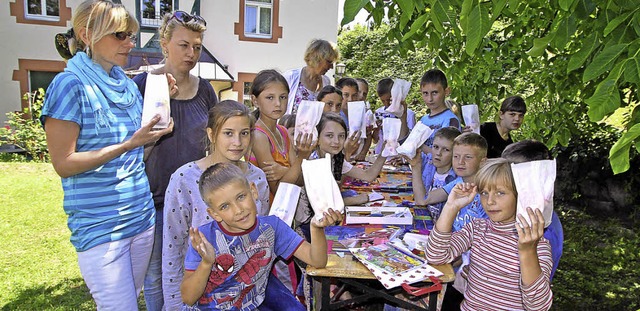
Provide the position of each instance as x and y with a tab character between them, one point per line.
219	175
448	133
224	111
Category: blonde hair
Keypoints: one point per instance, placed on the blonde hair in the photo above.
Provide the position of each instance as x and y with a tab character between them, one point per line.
495	172
165	31
320	50
102	18
217	176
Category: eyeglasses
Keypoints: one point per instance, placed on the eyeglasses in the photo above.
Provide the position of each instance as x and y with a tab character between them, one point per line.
185	17
122	35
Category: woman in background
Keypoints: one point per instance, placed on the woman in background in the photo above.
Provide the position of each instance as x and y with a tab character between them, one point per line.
306	82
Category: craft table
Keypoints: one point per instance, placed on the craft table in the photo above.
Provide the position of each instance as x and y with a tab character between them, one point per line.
348	270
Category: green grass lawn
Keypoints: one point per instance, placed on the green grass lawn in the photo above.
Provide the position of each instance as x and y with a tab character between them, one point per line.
599	270
38	264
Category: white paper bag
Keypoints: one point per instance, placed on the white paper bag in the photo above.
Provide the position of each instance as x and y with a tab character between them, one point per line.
285	202
156	101
370	119
471	117
307	118
357	121
534	182
416	138
322	189
399	92
390	133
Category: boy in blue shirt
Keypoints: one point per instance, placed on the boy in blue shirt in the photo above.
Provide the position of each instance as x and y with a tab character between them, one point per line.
435	167
228	263
435	89
469	152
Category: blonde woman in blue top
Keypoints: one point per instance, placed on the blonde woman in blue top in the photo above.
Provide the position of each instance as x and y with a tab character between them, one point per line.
91	117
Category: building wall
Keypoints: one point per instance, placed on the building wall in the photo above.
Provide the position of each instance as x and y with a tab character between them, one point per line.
301	21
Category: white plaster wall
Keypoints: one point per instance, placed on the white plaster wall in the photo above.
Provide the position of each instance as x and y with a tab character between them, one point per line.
301	20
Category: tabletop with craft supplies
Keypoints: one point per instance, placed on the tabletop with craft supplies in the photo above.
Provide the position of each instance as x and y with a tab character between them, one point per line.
377	253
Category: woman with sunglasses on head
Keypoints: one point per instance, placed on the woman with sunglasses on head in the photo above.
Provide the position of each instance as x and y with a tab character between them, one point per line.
92	119
305	83
181	41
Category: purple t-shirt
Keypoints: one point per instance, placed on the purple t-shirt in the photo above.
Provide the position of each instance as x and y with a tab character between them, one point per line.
187	141
243	262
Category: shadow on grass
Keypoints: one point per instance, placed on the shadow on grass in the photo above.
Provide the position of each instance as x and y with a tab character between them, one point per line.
69	294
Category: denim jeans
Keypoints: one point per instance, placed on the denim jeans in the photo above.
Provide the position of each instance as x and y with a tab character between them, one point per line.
153	280
114	271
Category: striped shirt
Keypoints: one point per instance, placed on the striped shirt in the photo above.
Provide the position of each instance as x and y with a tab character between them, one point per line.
112	201
494	272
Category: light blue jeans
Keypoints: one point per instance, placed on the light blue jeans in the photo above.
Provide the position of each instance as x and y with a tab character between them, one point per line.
153	280
114	271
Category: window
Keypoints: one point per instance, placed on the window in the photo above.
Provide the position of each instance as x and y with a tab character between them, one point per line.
153	10
257	18
258	21
246	95
40	79
42	9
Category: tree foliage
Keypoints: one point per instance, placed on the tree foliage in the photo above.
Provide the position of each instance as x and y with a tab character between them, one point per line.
576	62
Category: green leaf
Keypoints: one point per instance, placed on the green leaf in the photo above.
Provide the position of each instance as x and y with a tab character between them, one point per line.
619	153
578	58
632	72
605	100
565	5
442	9
617	71
478	27
406	11
498	6
467	5
566	29
603	61
351	9
540	45
406	6
613	24
415	26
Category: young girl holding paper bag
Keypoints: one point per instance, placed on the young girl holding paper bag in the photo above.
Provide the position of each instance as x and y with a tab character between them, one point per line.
229	133
274	154
332	134
510	262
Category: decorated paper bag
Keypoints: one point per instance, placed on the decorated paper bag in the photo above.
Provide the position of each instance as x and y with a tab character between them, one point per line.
285	202
399	92
156	101
416	138
471	117
357	120
534	182
322	189
392	267
390	133
307	117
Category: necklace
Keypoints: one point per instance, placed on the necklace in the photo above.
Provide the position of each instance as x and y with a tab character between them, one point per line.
275	138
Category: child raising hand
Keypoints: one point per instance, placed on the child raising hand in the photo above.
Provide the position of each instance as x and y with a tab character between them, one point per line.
228	264
510	262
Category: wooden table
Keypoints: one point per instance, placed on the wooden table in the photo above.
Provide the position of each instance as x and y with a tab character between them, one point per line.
350	271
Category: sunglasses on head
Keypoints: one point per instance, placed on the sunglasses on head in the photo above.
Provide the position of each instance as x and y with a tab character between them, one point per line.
185	17
122	35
